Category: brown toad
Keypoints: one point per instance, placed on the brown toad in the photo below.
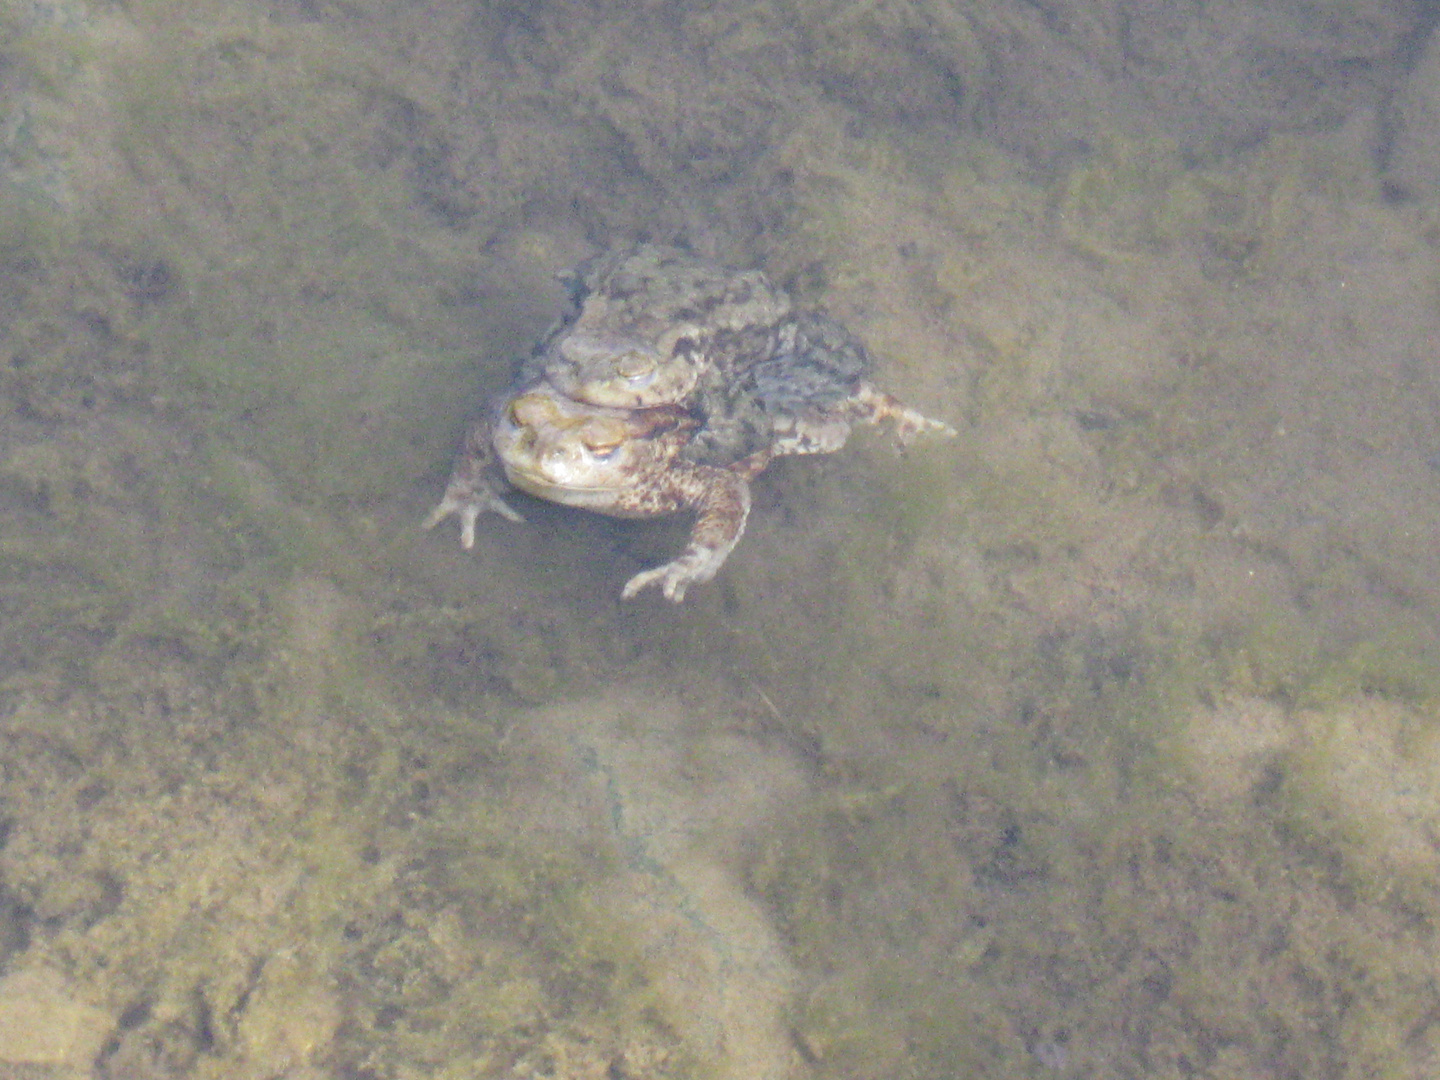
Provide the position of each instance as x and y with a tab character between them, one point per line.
667	386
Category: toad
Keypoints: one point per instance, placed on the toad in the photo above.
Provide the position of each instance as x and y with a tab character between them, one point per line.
668	385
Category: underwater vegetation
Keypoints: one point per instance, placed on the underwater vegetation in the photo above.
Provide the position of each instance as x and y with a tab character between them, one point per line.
1098	741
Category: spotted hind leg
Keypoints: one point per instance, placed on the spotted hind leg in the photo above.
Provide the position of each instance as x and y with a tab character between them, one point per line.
871	405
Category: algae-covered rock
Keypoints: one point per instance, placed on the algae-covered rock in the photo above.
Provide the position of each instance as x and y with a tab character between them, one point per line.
1366	768
42	1025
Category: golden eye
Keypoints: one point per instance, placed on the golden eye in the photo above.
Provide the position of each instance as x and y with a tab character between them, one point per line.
634	366
603	437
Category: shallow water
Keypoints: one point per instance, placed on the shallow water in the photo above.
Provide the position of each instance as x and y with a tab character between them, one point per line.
1098	741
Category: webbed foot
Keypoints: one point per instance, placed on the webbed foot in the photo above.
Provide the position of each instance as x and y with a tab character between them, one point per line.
673	578
722	502
468	502
874	406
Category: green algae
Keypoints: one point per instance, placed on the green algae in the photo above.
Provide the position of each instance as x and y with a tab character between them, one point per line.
1279	655
56	613
1132	198
1003	862
1038	896
1396	663
460	655
1127	199
1072	858
308	863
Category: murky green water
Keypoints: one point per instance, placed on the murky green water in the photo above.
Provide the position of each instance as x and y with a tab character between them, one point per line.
1101	741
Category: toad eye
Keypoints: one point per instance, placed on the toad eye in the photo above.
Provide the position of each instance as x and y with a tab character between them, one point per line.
603	437
635	367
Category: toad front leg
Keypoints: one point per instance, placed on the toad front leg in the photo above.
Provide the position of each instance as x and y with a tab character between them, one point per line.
721	500
475	486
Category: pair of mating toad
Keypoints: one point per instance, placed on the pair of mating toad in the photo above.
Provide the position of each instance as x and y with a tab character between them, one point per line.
668	385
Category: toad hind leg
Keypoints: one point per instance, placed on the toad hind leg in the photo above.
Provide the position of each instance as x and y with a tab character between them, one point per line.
826	430
721	499
871	405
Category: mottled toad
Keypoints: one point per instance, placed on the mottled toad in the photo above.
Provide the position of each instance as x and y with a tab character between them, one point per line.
667	386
